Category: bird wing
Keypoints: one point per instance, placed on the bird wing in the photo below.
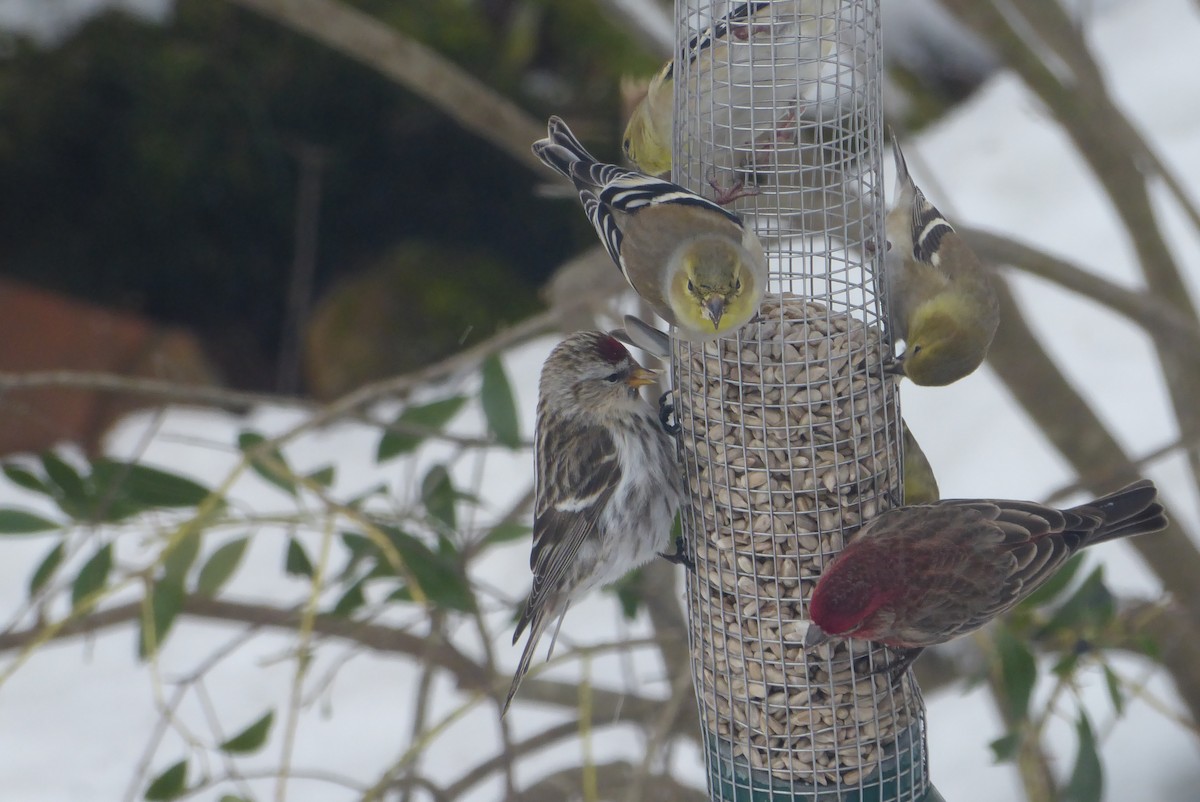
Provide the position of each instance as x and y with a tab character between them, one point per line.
571	497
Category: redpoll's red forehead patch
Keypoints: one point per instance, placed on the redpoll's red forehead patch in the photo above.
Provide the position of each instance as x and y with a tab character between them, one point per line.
611	350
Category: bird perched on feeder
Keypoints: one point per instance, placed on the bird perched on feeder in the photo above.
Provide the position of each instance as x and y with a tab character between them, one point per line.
941	302
920	485
698	265
768	48
607	484
914	577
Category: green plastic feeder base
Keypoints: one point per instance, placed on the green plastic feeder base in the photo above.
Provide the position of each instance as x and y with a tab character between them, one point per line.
902	777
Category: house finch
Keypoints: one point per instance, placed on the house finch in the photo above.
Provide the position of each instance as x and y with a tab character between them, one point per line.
766	48
918	576
940	301
607	485
694	262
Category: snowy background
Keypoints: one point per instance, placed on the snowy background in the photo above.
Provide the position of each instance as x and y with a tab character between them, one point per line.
74	719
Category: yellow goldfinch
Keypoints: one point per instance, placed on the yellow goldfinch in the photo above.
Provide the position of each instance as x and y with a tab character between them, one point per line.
748	51
940	300
698	265
920	485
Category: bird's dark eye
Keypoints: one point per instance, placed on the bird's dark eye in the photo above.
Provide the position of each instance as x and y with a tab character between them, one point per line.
691	286
737	286
916	350
613	378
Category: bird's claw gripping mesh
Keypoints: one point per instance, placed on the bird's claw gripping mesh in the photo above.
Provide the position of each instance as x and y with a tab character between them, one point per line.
790	428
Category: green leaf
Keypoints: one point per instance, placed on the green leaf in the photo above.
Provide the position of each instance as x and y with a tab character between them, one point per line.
166	600
252	738
46	569
505	532
1056	584
1087	777
169	784
1005	747
67	486
351	600
180	559
499	407
437	491
232	798
323	476
26	479
270	466
1018	673
93	575
220	567
1115	693
431	416
627	593
145	486
439	579
1090	607
297	562
19	522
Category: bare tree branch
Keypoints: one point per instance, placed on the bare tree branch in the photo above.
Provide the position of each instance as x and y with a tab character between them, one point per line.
1113	149
422	71
1166	324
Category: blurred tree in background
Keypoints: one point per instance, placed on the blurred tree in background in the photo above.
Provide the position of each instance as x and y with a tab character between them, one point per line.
154	168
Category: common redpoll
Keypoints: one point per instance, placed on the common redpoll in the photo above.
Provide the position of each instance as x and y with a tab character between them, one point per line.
607	481
940	300
694	262
918	576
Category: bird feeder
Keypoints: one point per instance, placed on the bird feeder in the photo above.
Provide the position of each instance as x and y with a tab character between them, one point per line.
790	429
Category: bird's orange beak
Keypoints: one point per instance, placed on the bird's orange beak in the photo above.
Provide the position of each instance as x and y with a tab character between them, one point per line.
815	636
715	308
639	376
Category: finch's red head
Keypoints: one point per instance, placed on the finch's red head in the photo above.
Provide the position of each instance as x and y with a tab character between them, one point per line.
849	594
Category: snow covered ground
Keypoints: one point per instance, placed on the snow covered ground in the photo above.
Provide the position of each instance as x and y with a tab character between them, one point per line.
74	719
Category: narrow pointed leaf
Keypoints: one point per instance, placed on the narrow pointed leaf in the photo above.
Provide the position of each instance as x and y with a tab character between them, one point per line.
1018	671
499	407
93	576
66	485
271	466
432	416
166	600
297	562
182	557
20	522
46	569
437	491
252	738
439	578
1087	777
26	479
220	567
146	486
168	785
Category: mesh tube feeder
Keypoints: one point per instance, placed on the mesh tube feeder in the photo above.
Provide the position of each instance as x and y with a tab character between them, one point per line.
790	432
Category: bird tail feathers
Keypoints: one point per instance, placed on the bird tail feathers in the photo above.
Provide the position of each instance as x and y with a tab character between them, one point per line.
1132	510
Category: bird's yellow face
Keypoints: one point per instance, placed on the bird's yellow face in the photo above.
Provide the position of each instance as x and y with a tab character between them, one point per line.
943	346
712	289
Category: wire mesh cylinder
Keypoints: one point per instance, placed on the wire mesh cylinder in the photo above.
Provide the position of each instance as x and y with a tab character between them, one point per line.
790	430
